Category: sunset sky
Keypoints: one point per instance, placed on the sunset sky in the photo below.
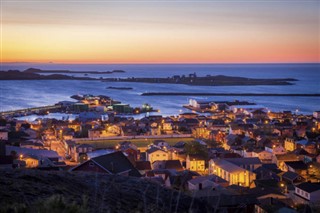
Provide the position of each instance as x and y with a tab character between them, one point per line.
160	31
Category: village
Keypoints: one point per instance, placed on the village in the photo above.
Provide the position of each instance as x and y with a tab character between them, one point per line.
251	157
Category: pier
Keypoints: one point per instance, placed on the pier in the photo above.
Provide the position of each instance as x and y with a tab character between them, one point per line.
27	111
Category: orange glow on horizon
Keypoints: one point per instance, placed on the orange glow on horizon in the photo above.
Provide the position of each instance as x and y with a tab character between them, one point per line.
160	32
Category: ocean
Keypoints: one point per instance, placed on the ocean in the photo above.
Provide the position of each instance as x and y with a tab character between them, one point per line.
24	94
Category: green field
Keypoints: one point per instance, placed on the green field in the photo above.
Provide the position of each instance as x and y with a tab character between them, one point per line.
101	144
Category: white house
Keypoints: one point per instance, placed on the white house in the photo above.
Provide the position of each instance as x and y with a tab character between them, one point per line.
308	191
155	154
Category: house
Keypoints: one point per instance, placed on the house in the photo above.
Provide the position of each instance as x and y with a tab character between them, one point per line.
231	172
296	166
168	164
308	191
263	155
276	150
81	152
162	144
249	164
203	182
258	114
292	177
132	154
273	205
316	114
31	162
155	128
279	160
289	144
167	127
143	166
267	171
188	115
94	133
33	144
155	154
39	153
76	126
195	163
113	163
125	145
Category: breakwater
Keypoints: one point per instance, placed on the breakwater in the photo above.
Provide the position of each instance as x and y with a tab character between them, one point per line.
28	111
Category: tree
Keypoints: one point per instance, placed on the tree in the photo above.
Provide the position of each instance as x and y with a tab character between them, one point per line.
195	148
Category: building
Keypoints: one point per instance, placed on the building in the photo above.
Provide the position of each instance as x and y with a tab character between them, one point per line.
289	144
316	114
203	182
168	164
195	163
230	172
249	164
122	108
143	166
113	163
155	154
263	155
296	166
308	191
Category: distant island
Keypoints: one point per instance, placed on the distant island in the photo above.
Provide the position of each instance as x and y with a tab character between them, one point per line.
34	70
120	88
18	75
219	80
35	74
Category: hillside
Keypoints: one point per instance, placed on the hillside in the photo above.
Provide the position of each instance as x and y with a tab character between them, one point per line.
52	191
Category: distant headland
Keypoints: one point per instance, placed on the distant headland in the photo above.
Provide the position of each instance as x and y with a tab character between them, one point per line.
35	74
219	80
18	75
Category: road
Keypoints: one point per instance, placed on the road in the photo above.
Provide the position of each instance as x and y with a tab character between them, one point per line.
135	137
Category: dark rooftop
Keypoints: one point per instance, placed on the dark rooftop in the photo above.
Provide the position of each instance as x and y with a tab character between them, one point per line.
297	165
309	187
116	162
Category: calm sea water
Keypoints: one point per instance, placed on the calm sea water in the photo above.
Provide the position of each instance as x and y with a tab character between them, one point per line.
22	94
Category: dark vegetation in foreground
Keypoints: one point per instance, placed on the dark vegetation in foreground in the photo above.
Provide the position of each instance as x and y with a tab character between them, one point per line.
41	191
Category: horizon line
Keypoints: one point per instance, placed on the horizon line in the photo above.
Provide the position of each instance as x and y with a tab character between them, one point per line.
157	63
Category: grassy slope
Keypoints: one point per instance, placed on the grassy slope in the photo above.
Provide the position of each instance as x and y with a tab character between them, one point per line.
99	144
36	191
